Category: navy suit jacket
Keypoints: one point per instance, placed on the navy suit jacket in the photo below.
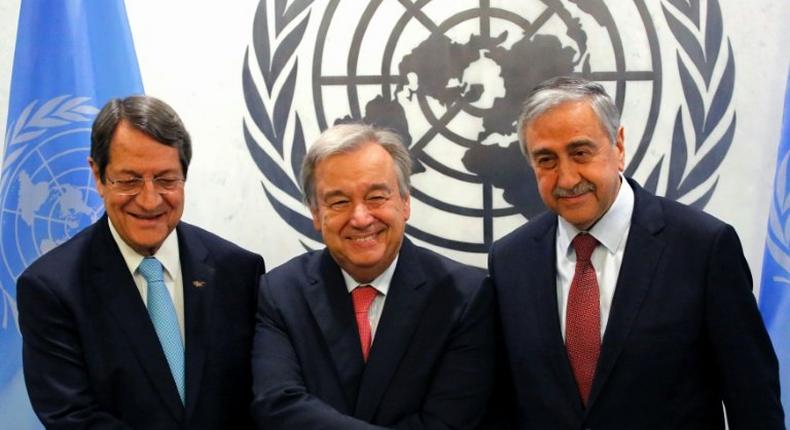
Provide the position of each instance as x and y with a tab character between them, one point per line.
684	332
430	366
92	358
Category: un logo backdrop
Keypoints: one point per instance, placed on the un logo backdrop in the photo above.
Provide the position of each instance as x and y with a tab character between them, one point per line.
450	76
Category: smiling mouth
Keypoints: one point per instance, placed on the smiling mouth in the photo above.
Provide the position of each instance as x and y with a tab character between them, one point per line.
146	217
364	239
574	196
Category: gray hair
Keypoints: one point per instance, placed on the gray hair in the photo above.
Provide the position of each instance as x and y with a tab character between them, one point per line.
146	114
345	138
558	90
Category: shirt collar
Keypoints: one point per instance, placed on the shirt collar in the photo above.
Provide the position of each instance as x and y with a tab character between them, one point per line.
167	254
610	229
381	283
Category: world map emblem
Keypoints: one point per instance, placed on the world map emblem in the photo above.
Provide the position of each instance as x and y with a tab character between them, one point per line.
46	195
450	78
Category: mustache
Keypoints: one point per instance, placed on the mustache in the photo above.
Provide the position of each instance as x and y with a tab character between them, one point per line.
578	189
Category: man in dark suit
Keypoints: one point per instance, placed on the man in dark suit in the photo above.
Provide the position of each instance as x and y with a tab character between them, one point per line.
620	309
372	331
140	320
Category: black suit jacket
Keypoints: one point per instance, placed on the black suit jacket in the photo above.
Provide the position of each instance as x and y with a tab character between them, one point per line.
684	332
430	365
92	358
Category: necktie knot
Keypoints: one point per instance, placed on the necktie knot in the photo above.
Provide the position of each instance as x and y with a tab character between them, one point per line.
584	244
151	269
363	297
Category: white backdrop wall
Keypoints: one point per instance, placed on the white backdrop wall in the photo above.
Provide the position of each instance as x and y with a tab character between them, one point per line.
191	55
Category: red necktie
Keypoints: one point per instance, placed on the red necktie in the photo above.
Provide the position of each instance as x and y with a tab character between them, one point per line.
362	297
583	317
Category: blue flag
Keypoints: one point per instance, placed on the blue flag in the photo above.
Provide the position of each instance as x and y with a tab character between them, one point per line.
775	286
71	57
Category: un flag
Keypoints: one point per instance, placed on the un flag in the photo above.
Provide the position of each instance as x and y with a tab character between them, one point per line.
775	285
71	57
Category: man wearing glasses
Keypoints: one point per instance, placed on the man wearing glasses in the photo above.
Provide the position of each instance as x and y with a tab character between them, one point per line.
140	320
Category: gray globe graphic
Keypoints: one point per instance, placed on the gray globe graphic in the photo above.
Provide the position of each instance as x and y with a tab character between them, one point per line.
47	196
473	66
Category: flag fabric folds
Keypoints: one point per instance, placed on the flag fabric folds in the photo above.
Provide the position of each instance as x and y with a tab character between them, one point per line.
71	57
775	285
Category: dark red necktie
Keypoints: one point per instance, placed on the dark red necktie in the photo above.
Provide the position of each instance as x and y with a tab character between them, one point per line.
583	317
363	297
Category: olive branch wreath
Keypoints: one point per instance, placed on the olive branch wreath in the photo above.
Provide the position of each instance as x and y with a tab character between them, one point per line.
9	308
706	102
275	94
33	122
690	163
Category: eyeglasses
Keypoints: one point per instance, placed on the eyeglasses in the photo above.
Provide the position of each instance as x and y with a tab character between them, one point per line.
133	186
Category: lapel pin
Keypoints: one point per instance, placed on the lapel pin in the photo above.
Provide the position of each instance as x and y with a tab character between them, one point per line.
198	284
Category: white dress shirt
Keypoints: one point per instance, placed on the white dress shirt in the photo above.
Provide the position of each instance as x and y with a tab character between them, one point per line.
611	231
382	286
168	255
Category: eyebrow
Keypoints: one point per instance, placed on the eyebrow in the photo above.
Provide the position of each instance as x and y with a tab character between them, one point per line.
571	146
541	151
334	193
379	186
131	172
581	143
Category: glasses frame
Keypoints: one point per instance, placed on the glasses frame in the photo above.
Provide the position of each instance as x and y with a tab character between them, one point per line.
116	185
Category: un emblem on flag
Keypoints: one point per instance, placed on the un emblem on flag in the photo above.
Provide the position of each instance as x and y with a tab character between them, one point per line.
450	77
47	192
778	240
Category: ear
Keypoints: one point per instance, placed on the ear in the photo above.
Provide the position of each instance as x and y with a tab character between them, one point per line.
100	188
316	218
523	147
620	149
407	207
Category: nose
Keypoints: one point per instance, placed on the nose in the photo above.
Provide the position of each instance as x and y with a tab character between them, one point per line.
361	216
567	174
148	198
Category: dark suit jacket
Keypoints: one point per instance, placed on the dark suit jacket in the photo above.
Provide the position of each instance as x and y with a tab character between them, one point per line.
430	365
92	358
683	335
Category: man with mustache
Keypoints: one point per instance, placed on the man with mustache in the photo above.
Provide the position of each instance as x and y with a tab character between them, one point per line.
373	331
620	309
141	320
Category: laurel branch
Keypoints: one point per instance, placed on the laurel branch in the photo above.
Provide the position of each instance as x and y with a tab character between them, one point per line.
35	121
277	74
9	308
707	100
779	221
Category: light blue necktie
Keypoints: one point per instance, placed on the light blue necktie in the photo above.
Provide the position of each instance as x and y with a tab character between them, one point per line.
163	315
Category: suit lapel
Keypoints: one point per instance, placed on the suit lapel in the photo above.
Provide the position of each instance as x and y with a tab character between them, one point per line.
642	253
544	295
199	283
406	299
115	286
330	303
